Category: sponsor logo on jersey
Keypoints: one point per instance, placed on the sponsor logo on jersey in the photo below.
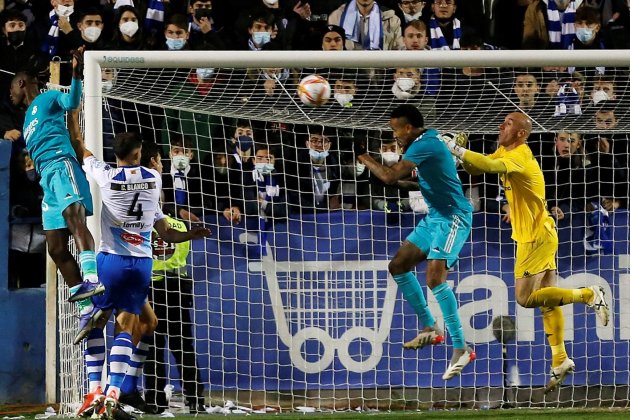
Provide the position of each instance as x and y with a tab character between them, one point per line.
30	129
34	110
162	250
132	238
133	187
134	225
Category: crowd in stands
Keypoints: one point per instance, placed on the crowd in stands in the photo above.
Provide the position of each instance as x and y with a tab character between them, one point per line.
268	170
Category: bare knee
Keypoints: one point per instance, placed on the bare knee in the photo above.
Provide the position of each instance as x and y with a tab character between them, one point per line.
523	300
58	252
396	267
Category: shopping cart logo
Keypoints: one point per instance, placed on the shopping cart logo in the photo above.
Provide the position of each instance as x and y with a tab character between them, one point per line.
342	305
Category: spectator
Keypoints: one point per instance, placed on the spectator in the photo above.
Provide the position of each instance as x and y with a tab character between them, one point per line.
415	36
59	39
182	184
333	38
406	83
90	28
313	174
223	185
446	29
259	29
204	32
410	10
128	33
344	90
19	51
176	33
263	188
603	89
368	26
549	25
286	21
27	254
588	26
527	89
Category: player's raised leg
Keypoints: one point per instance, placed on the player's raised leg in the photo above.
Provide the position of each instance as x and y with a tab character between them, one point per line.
406	258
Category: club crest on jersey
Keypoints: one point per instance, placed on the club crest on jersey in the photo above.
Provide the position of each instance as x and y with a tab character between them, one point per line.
34	110
132	238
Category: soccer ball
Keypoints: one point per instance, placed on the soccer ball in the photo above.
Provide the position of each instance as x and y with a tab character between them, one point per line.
314	90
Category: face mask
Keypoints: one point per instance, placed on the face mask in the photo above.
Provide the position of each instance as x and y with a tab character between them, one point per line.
344	99
405	83
181	162
389	158
91	33
270	2
409	18
205	74
359	169
16	38
202	13
245	143
584	34
31	175
221	170
64	11
129	28
108	85
318	156
599	96
265	168
261	38
175	43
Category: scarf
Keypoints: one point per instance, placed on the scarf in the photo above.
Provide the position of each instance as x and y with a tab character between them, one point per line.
561	28
52	40
438	42
351	23
180	186
120	3
154	21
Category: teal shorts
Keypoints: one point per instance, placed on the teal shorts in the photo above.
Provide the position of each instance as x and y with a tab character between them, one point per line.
442	237
64	183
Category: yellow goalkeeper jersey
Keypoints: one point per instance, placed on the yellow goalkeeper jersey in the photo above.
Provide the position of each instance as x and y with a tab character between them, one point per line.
525	192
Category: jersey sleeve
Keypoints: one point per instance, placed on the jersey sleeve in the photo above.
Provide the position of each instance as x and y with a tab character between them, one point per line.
97	170
71	100
515	161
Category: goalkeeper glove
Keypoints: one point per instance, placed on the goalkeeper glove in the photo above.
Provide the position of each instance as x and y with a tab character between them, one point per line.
456	143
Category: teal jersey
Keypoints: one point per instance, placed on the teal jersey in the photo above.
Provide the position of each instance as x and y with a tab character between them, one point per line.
45	132
437	175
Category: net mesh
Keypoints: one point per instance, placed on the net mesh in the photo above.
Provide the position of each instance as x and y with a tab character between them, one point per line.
296	310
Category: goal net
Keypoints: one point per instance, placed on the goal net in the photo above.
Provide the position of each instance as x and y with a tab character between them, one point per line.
291	304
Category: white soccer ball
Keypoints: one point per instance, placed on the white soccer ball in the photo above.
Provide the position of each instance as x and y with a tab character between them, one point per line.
314	90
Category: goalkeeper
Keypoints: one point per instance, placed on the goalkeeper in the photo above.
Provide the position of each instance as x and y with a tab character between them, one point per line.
438	238
534	231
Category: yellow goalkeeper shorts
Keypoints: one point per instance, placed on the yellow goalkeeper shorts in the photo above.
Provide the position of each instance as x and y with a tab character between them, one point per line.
538	256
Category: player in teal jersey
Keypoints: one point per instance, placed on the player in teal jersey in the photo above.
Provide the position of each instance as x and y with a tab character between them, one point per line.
438	237
67	199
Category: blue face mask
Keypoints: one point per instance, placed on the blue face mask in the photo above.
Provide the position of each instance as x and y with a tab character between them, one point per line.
584	34
261	38
175	43
264	168
245	143
318	156
205	74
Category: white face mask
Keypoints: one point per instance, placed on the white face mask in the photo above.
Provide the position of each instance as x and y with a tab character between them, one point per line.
270	2
108	85
205	74
221	169
599	96
405	83
64	11
389	158
129	28
359	169
92	33
318	156
181	162
416	16
264	168
344	99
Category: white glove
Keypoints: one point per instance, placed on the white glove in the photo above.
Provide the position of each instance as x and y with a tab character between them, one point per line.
417	203
456	143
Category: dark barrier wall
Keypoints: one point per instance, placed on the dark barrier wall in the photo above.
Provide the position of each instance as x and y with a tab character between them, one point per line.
22	319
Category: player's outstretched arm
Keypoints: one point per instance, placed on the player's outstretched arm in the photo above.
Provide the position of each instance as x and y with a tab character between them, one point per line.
72	99
475	163
174	236
75	135
389	175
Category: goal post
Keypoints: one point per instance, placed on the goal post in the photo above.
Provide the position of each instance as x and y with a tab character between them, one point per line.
311	316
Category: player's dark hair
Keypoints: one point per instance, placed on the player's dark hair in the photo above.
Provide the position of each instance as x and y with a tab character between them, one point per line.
125	143
27	76
150	150
409	113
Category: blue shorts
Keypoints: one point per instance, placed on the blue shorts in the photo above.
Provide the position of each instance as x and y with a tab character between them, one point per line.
64	183
440	237
126	280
